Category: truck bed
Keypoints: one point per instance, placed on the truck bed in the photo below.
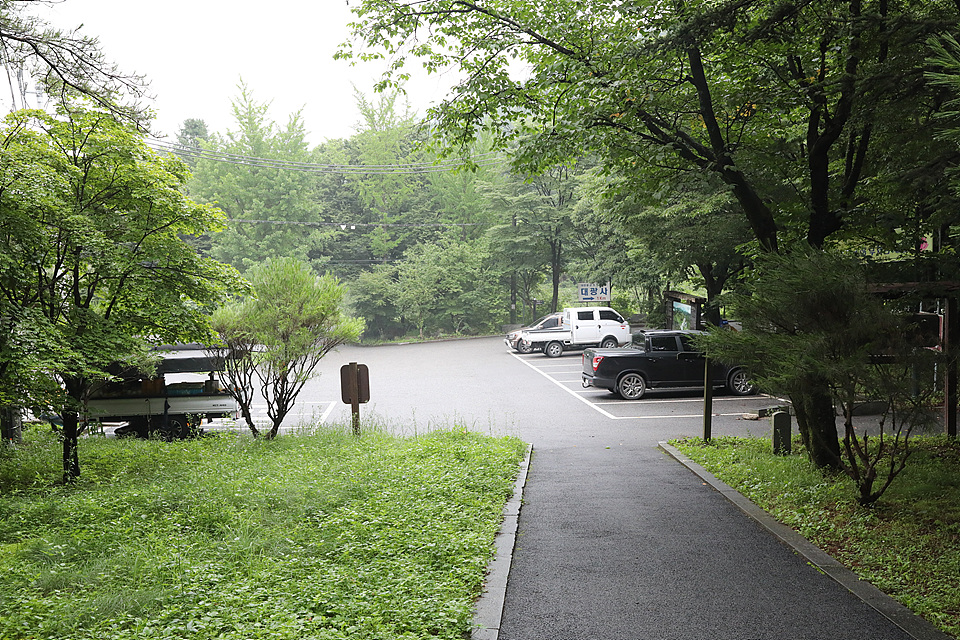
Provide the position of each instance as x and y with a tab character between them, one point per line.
120	408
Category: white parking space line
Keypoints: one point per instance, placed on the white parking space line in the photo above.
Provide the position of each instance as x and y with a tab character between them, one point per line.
558	367
303	411
672	401
326	414
580	394
578	397
698	416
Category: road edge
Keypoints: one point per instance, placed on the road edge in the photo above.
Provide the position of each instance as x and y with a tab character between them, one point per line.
488	610
908	621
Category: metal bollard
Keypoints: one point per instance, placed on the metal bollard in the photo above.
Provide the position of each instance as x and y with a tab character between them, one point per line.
781	433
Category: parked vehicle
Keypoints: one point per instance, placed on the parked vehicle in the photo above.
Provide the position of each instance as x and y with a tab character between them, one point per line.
512	339
170	404
658	359
580	327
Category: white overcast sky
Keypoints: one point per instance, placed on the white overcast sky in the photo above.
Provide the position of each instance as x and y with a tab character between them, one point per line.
195	53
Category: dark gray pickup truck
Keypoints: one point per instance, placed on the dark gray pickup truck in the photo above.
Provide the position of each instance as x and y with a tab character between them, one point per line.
657	359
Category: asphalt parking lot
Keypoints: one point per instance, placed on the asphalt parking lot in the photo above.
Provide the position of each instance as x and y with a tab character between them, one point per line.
480	384
655	405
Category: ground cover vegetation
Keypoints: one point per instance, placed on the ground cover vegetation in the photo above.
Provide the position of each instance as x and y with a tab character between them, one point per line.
322	535
907	544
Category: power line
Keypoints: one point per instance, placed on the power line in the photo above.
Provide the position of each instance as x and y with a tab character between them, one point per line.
354	225
483	160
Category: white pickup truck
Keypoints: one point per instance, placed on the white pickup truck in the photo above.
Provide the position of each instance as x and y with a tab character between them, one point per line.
581	327
168	405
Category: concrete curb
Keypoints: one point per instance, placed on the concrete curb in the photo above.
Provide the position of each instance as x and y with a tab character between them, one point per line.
424	341
488	611
912	624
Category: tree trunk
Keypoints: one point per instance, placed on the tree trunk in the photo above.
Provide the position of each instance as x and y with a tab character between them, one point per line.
722	162
714	279
248	417
71	433
11	425
817	423
556	267
513	298
823	221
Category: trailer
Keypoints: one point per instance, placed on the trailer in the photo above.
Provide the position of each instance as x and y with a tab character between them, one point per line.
171	405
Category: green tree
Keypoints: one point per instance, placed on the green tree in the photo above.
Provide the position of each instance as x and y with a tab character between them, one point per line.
280	335
811	325
519	265
692	230
608	252
345	252
192	134
28	351
372	296
743	91
445	287
944	73
271	209
394	191
92	223
538	228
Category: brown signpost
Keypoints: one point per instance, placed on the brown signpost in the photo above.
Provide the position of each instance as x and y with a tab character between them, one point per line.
355	389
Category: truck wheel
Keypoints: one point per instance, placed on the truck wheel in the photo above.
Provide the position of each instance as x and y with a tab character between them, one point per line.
739	383
176	428
524	347
632	386
553	350
609	343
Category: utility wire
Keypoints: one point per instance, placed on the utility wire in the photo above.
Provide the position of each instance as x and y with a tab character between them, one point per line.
353	225
177	148
484	160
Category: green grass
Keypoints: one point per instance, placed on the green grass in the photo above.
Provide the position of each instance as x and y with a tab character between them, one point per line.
907	545
314	536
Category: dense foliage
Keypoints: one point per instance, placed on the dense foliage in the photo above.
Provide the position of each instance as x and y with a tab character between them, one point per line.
813	332
816	117
424	249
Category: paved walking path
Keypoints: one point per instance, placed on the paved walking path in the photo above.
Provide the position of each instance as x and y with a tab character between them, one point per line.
625	542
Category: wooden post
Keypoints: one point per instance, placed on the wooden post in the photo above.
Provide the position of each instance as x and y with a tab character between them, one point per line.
951	333
707	401
781	433
354	398
355	389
